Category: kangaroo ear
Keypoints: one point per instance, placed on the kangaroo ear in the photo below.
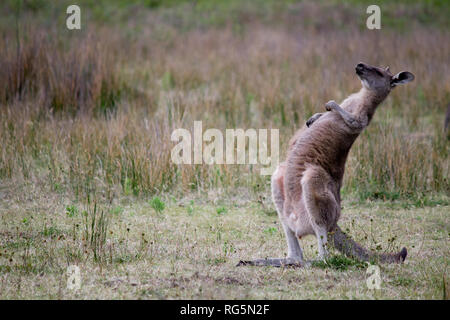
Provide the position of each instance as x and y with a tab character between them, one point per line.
401	78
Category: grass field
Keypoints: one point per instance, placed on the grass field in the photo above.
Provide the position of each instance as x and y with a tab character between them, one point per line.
189	251
86	117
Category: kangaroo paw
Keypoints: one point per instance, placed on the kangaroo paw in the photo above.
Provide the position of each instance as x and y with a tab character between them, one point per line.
313	118
330	105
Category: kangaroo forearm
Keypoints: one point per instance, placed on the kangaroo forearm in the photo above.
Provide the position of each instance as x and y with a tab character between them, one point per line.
354	122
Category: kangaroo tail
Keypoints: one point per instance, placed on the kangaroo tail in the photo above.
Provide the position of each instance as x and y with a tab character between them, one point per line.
350	248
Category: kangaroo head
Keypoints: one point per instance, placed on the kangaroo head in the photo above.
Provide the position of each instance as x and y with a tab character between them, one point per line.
381	80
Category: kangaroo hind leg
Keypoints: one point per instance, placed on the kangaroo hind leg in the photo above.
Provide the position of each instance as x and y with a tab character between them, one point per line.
321	205
295	255
277	184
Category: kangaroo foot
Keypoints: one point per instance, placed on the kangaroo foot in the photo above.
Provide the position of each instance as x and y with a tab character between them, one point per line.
273	262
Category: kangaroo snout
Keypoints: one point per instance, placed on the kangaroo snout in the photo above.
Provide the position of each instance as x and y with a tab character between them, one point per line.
360	68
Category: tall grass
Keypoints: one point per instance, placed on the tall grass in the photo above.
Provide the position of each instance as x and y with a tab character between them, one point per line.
38	67
96	227
97	112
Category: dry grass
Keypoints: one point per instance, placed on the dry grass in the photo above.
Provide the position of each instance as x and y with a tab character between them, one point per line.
38	67
86	119
263	77
190	249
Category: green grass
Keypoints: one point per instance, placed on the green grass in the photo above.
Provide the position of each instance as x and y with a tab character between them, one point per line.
339	262
157	204
397	15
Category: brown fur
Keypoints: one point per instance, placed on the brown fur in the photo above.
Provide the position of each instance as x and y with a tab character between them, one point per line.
306	187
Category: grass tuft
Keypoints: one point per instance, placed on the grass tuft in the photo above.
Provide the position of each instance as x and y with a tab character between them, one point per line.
339	262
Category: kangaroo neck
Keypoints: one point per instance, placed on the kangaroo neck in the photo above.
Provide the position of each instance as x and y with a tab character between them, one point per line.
364	102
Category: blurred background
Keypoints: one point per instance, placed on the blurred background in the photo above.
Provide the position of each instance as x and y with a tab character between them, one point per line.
90	112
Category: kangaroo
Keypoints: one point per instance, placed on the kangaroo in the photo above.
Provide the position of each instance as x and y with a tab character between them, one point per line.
306	187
